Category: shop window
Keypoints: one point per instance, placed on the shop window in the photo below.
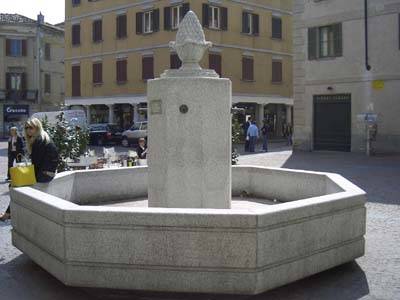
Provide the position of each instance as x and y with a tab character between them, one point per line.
121	26
175	62
215	63
276	28
148	22
97	70
215	17
16	47
76	81
325	41
147	67
250	23
97	31
276	71
76	34
47	83
247	69
122	75
47	51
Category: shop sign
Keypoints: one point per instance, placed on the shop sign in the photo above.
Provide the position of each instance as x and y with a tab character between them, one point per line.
16	110
378	84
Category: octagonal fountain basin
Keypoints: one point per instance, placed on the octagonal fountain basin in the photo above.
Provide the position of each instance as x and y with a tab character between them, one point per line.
94	229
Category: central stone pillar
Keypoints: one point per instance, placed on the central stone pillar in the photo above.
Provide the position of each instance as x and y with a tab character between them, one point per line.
189	130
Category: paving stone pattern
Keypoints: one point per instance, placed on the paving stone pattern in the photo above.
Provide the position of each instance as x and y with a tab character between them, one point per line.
374	276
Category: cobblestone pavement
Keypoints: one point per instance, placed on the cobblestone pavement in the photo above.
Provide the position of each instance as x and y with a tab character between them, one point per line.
374	276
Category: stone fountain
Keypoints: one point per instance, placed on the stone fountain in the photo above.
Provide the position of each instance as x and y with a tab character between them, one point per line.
189	222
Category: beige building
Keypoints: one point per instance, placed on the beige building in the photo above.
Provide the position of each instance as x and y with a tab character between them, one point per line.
32	68
344	82
114	47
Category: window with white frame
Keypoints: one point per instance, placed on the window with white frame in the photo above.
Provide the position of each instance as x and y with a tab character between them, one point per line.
148	22
214	17
176	13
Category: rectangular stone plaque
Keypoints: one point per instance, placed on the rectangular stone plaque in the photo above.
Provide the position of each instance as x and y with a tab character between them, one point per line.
155	107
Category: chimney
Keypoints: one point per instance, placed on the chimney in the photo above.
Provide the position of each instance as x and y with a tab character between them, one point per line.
40	19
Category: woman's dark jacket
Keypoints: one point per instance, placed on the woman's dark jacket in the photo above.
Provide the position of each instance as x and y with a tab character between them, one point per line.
140	152
45	159
19	146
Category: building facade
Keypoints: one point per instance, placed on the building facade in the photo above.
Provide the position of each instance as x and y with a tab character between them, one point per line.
32	68
346	74
114	47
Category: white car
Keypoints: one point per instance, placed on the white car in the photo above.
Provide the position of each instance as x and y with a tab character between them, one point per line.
133	134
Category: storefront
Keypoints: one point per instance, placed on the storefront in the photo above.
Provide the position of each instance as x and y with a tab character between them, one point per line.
14	115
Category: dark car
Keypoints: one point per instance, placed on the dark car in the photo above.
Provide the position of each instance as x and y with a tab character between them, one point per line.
104	134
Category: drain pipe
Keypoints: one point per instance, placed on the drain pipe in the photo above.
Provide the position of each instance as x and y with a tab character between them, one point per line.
367	65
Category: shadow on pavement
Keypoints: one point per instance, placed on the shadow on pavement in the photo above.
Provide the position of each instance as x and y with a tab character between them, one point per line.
23	279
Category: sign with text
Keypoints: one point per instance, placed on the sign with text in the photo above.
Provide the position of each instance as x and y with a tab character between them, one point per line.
16	110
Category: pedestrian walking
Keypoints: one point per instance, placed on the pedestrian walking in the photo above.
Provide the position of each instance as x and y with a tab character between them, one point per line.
43	153
252	134
288	134
264	133
142	152
246	127
15	149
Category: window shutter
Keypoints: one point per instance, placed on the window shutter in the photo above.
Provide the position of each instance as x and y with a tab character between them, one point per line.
214	61
98	72
8	81
185	9
122	71
245	22
205	15
8	47
247	69
121	26
156	20
76	81
167	18
224	18
147	67
97	31
139	23
76	34
24	47
312	43
47	51
23	81
276	71
47	83
337	33
256	30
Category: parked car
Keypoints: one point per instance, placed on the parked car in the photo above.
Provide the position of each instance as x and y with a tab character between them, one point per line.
103	134
133	134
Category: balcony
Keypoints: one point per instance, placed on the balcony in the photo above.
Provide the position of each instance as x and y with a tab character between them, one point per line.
18	95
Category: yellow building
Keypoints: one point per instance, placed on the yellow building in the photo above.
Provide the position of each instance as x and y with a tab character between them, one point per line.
114	47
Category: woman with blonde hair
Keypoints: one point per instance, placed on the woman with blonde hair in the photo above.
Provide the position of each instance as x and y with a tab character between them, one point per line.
43	153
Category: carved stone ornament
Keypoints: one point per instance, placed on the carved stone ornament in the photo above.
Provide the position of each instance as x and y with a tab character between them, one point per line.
190	46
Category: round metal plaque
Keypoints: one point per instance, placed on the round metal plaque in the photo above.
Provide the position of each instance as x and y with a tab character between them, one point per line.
183	108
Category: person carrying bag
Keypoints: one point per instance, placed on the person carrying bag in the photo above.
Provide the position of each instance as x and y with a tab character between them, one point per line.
22	174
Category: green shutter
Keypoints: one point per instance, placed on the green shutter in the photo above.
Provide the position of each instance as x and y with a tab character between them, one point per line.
312	43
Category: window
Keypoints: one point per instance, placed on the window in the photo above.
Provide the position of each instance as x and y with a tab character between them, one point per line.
174	15
215	17
76	34
47	51
76	2
15	81
121	27
250	23
76	81
122	75
16	47
147	67
276	71
148	22
175	62
247	69
325	41
276	28
47	83
97	73
214	62
97	31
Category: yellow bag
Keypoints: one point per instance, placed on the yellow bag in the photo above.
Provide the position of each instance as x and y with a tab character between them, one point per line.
22	175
